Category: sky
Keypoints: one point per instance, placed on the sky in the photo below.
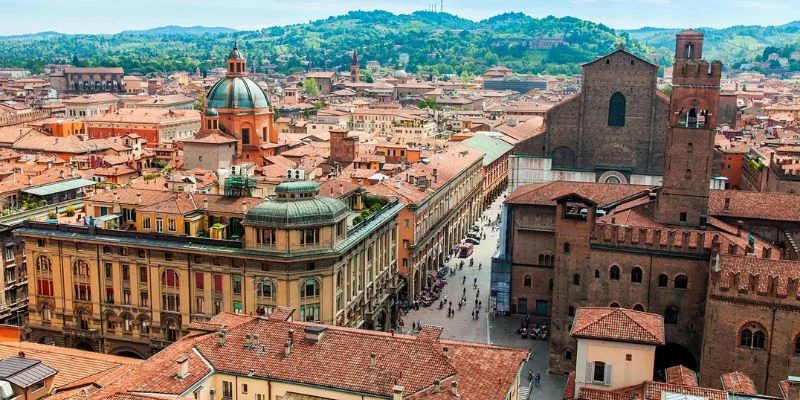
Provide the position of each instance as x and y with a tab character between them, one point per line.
111	16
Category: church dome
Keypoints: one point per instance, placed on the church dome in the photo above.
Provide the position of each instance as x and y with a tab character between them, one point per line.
237	92
297	204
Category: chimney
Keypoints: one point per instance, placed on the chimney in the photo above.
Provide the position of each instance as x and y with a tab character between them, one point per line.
397	392
454	388
372	361
30	180
244	206
183	367
138	198
446	352
254	340
727	204
222	336
61	174
205	204
341	189
435	174
287	348
436	385
739	224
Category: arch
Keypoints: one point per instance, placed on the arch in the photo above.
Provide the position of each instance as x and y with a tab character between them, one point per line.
83	345
612	177
614	305
527	280
753	335
597	273
638	307
309	288
688	50
125	351
616	109
663	280
567	247
636	275
170	279
614	273
564	157
681	282
669	355
111	319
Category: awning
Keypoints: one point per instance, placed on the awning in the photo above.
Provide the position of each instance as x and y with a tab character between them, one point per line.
59	187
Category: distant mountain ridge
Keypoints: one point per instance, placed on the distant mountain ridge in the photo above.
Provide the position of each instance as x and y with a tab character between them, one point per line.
729	45
421	41
179	30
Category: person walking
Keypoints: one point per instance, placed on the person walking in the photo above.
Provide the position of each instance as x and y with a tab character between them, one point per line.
537	379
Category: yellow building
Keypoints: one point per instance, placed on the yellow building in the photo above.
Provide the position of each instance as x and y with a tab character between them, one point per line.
149	263
237	357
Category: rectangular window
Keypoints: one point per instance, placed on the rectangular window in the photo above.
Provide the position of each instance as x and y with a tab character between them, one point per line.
144	299
106	249
126	296
123	251
142	274
126	272
309	236
198	259
244	388
237	307
141	253
218	283
167	256
683	217
199	283
217	306
146	222
227	390
199	305
110	295
171	225
237	284
159	225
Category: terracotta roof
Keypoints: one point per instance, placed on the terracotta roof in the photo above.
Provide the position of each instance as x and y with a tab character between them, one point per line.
210	137
681	375
544	194
618	324
72	365
569	390
737	382
650	390
784	385
588	393
91	98
774	206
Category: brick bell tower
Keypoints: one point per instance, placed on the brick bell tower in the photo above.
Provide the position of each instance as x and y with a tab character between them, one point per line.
683	197
354	68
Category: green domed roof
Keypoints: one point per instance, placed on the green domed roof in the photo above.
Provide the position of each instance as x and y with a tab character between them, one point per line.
297	204
237	92
212	112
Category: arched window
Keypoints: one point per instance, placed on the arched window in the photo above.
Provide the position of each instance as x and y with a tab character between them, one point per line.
614	273
126	321
758	339
614	305
44	276
265	296
597	273
309	299
638	307
571	311
746	338
526	281
689	51
80	276
616	110
567	248
681	282
663	280
576	279
636	275
671	315
170	290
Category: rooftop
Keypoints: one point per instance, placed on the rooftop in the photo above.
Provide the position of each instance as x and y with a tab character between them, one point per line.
618	325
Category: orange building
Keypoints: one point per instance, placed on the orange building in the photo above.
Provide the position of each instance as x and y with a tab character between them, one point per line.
155	125
732	163
60	127
244	109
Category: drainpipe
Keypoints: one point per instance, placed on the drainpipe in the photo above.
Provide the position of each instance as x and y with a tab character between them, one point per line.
769	353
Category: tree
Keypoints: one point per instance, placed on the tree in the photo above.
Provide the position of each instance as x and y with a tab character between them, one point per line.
310	87
429	102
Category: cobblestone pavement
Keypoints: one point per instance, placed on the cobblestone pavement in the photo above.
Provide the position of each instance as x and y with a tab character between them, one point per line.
486	329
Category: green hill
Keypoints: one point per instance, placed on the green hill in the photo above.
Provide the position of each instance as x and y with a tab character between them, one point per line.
730	45
435	42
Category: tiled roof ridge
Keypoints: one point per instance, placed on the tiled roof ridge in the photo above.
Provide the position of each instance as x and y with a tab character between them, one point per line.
625	312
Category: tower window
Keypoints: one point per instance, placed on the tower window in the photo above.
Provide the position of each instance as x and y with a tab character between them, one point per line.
689	148
683	217
689	50
245	136
616	110
688	174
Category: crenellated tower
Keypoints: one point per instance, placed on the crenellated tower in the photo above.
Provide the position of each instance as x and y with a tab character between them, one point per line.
683	198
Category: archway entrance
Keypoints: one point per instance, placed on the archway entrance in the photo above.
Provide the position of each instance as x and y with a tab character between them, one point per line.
82	345
670	355
129	354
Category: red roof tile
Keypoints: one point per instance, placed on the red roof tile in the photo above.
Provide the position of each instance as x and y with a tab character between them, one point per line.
618	324
601	193
681	375
737	382
774	206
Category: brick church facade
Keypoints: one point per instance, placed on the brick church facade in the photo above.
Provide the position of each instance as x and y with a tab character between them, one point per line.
711	262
